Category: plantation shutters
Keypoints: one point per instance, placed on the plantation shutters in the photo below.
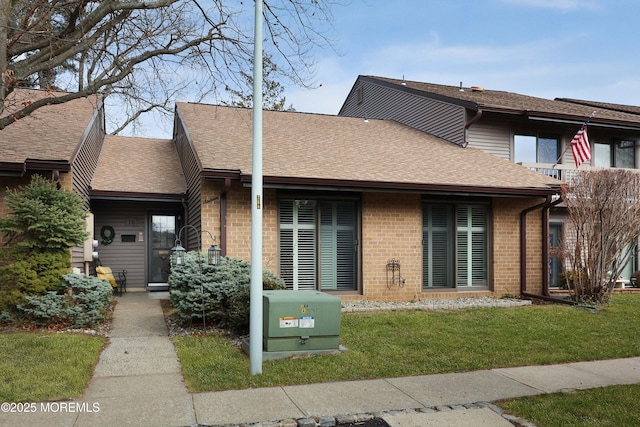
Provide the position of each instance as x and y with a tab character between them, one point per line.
472	245
298	243
318	244
437	256
454	246
338	245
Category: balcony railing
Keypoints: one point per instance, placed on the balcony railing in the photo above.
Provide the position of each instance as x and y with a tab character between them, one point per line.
559	171
564	172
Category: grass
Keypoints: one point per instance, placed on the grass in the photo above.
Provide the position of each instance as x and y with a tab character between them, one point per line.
614	406
46	366
404	343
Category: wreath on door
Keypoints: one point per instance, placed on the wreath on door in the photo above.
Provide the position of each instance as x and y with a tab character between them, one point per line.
107	233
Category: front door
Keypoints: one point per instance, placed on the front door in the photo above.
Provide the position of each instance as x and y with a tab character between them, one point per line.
163	229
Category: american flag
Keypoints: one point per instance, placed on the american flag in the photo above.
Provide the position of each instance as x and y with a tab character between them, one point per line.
580	146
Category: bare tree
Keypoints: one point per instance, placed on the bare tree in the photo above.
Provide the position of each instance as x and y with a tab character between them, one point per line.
604	224
146	52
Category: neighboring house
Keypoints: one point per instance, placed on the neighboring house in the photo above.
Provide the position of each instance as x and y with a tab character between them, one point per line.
61	142
534	132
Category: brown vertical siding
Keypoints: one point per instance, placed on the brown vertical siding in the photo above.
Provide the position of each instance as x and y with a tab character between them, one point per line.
193	177
438	118
83	167
210	208
86	157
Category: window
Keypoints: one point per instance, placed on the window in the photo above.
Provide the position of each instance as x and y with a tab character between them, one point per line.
455	246
318	244
555	262
618	154
536	149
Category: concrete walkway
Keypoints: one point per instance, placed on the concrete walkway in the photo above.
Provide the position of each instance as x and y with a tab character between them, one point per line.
138	382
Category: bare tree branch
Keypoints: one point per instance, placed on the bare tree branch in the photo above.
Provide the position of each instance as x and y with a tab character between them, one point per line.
87	47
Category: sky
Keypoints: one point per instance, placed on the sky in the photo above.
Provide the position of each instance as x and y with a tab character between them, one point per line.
586	49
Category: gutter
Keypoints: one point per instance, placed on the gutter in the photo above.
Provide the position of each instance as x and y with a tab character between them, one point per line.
468	125
523	243
331	184
546	296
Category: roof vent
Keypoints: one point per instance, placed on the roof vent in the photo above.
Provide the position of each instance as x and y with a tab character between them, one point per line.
461	89
477	89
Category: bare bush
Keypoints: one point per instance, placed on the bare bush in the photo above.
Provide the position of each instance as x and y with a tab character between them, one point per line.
604	221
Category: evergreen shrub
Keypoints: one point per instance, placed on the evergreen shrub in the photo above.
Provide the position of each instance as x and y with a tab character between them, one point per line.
80	301
31	275
222	292
43	223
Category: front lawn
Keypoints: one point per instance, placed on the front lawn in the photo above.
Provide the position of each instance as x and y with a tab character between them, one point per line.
46	366
604	407
390	344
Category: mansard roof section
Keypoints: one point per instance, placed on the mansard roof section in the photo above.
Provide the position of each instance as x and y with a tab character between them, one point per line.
479	98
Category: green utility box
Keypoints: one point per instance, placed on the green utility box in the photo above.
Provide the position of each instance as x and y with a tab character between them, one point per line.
300	320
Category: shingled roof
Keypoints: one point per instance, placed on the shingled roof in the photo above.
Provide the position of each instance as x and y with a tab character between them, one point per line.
142	167
633	109
315	149
478	98
51	133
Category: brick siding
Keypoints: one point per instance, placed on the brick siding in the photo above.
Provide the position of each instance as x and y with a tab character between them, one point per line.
391	228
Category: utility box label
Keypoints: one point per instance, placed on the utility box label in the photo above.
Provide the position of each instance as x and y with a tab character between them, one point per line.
307	322
288	322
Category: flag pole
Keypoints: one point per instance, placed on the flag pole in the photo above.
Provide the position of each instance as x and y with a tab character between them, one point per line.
569	146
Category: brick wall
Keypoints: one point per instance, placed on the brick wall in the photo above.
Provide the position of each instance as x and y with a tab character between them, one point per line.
391	228
238	222
506	244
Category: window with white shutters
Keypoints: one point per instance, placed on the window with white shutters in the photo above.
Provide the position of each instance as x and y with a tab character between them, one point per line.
455	246
318	244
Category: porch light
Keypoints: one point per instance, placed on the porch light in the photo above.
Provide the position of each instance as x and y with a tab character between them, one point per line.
177	253
213	254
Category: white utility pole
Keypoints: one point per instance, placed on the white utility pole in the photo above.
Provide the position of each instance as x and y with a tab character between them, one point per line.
255	309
